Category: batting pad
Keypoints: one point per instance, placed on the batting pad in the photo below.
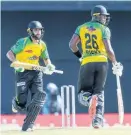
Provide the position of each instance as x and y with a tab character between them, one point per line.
34	109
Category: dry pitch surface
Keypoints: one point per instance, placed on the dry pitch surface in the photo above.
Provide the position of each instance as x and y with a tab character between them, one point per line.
116	130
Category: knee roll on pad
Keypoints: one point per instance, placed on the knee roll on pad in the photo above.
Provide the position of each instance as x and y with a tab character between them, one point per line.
39	98
84	98
34	109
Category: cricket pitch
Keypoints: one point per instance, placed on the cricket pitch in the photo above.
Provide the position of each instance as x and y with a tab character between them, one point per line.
117	130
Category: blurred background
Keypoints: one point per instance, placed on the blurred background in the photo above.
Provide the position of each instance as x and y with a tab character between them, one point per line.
60	20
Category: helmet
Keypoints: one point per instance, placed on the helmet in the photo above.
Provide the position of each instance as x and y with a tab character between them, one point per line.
33	25
98	11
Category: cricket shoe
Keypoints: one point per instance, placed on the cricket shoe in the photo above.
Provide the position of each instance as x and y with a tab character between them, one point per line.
14	109
28	128
92	107
97	123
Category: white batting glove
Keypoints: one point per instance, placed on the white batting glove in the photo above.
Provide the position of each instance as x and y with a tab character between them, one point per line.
50	69
80	59
117	68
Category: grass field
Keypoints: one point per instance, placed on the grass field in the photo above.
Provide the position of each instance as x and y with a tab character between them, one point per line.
116	130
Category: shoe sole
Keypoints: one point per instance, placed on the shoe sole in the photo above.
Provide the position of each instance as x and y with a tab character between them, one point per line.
96	127
92	108
28	130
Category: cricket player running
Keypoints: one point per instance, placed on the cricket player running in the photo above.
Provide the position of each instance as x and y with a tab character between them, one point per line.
96	49
30	50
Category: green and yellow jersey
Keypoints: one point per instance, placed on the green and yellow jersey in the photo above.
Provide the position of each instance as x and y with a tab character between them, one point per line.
92	35
28	52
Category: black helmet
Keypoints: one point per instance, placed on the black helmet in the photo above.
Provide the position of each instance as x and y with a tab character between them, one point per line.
100	10
32	25
35	24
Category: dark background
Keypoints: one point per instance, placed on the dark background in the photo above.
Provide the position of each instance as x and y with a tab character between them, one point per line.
60	21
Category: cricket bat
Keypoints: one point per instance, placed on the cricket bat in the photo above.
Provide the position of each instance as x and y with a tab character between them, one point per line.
120	100
32	67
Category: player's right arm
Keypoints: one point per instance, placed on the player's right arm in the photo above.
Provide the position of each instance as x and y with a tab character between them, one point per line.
73	44
18	47
11	56
107	43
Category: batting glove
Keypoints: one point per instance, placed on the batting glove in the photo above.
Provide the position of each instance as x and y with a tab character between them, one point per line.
117	68
19	69
50	69
80	59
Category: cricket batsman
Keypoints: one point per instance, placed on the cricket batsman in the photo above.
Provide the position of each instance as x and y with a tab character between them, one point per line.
29	50
94	37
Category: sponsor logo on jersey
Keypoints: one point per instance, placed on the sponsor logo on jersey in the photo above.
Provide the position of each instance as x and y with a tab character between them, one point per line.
20	83
91	28
29	51
33	58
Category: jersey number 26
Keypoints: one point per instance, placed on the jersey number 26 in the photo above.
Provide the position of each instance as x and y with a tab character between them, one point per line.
91	41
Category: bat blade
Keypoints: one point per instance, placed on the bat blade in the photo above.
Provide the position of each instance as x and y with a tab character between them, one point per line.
120	101
32	67
24	65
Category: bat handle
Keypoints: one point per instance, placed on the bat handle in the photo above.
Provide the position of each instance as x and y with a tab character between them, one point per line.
118	82
58	71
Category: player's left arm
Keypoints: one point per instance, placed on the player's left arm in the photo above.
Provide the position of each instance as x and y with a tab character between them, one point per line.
117	66
45	56
73	44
